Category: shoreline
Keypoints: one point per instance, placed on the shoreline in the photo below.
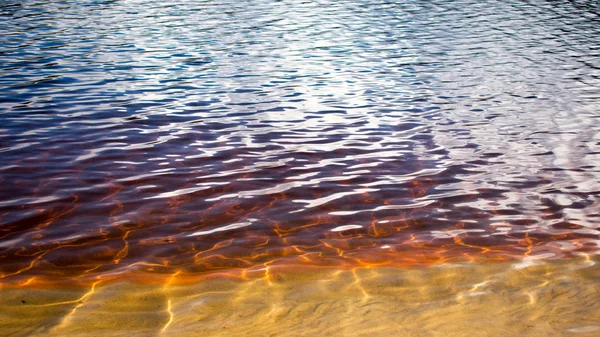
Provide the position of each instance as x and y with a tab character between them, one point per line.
159	274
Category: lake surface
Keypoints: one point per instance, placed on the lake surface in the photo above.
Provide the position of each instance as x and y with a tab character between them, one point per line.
144	140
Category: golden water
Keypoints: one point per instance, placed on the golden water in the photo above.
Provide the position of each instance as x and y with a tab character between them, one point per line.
559	298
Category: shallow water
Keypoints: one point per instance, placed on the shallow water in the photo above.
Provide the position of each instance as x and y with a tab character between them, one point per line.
141	140
554	299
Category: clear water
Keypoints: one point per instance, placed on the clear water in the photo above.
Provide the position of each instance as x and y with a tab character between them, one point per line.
142	139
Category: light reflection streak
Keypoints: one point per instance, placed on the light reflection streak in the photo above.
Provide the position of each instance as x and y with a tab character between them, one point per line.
80	302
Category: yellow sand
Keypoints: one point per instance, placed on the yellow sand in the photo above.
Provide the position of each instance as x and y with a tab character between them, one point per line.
550	299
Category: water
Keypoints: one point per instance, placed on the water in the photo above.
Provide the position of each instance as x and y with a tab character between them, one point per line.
141	139
454	300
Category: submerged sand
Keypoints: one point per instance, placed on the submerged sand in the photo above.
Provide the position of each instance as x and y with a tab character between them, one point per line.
560	298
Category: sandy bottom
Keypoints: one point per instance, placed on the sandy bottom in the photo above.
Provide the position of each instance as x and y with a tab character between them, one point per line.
550	299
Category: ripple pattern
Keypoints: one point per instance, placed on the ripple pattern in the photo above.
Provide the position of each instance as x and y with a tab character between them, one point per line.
207	135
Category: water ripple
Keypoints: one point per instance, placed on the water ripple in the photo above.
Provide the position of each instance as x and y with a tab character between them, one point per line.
142	135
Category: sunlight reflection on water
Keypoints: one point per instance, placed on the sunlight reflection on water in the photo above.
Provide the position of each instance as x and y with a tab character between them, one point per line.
197	136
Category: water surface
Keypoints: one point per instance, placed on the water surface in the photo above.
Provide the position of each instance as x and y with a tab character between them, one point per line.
142	139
